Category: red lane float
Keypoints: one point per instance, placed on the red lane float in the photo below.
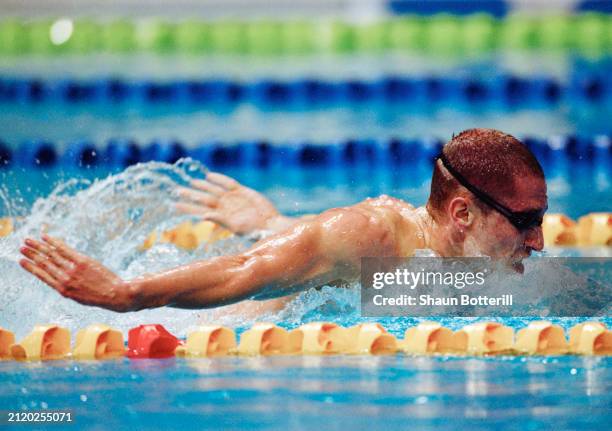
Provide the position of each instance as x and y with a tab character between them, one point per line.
151	341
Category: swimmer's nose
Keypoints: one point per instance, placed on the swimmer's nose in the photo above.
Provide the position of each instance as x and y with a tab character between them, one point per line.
535	239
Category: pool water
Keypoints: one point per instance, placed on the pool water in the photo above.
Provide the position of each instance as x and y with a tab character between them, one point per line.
338	392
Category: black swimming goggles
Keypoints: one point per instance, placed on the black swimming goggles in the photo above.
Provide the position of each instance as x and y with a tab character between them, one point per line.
522	220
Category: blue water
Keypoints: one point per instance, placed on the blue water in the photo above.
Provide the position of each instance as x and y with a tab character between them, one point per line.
340	392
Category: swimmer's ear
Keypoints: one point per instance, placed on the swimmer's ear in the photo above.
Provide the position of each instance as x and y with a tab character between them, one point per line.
460	212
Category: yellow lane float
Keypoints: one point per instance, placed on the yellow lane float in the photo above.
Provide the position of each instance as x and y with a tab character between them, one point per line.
6	227
188	236
370	338
483	338
45	342
208	340
590	338
98	342
427	337
559	230
541	338
319	338
7	338
595	229
265	339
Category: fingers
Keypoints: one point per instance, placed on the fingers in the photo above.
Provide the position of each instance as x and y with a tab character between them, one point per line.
207	186
222	180
41	274
187	208
45	263
213	216
198	196
49	252
62	249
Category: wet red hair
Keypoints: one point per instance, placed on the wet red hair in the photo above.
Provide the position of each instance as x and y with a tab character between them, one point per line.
489	159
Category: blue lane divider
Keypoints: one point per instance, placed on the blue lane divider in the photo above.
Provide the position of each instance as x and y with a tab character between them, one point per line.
588	86
604	6
37	153
497	8
119	153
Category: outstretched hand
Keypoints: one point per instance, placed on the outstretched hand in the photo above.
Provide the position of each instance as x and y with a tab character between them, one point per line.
223	200
75	275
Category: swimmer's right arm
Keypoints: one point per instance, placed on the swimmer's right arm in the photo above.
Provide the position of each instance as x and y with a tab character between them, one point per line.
224	200
312	253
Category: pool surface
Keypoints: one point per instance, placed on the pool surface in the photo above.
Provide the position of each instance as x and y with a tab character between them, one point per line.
311	392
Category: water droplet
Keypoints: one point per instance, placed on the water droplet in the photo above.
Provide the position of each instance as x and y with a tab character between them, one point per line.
573	371
421	400
83	397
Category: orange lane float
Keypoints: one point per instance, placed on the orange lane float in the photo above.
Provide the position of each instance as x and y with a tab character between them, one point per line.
151	341
370	338
590	338
7	338
266	339
6	227
188	236
98	342
319	338
208	341
484	338
541	338
595	229
559	230
427	338
45	342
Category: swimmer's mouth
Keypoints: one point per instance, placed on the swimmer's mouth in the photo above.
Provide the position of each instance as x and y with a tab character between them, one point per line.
517	264
518	267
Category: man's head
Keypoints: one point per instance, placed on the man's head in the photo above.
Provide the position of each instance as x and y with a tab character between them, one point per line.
505	179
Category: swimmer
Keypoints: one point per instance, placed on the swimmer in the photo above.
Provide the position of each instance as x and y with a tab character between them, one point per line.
488	197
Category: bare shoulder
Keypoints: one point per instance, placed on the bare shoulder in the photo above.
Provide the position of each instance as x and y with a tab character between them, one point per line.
374	227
